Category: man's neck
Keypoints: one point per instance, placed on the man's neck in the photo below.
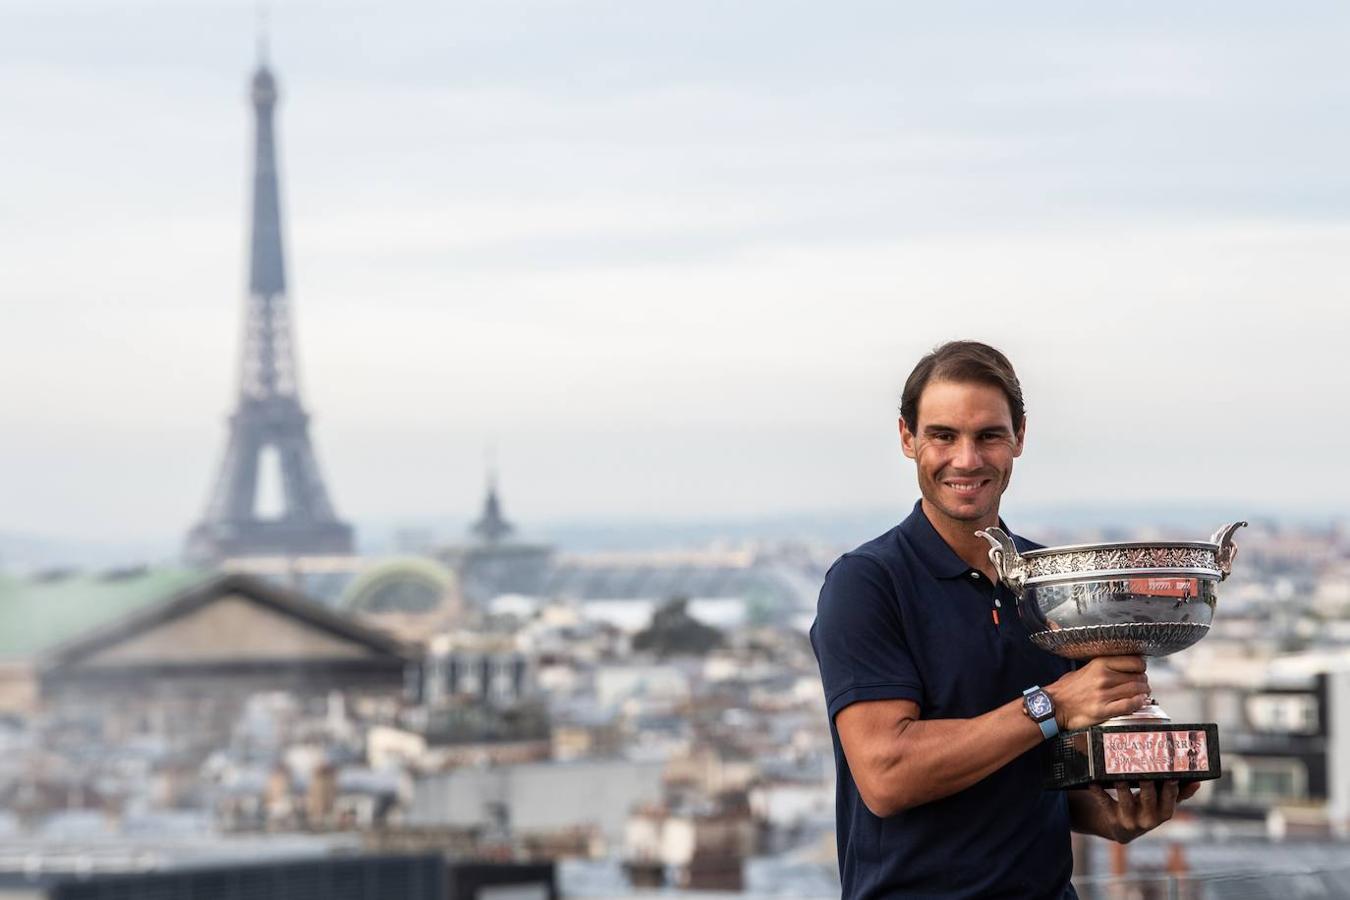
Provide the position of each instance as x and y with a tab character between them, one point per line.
960	536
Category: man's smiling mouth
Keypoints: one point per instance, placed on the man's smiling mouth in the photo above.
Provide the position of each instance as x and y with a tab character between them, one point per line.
966	487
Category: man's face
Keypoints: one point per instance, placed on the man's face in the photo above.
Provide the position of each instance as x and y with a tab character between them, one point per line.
964	447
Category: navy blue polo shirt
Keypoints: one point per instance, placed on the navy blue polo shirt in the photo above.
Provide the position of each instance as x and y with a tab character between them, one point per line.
904	617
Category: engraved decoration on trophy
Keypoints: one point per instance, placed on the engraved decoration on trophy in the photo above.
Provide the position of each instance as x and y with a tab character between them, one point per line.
1133	598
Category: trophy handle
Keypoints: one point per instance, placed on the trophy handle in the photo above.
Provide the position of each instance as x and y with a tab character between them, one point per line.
1227	549
1012	571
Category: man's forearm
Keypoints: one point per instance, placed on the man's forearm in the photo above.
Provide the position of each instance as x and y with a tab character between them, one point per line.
935	758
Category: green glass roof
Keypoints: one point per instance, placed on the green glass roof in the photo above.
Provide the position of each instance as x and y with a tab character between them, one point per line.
41	612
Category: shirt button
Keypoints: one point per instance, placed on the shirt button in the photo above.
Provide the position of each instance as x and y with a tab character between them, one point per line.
975	575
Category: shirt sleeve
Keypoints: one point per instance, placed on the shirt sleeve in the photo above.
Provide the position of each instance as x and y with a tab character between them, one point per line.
859	637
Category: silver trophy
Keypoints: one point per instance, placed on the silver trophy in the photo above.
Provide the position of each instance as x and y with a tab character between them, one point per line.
1130	598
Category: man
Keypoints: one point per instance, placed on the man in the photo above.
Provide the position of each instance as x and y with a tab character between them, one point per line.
928	673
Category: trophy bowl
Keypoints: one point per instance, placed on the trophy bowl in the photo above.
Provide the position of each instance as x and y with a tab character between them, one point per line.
1122	599
1129	598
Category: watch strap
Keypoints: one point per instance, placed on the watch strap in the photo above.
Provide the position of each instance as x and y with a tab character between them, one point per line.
1049	727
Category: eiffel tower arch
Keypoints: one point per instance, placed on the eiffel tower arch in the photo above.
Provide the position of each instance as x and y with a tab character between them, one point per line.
269	416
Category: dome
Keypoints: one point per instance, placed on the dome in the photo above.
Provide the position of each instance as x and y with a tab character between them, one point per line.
405	586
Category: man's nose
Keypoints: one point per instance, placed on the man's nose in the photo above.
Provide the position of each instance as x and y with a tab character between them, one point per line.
967	454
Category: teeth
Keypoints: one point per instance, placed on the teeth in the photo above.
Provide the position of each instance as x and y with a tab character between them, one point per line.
962	487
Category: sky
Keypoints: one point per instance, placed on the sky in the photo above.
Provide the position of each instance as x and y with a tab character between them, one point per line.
675	260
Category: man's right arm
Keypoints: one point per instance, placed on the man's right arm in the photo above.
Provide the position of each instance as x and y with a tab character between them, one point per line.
899	760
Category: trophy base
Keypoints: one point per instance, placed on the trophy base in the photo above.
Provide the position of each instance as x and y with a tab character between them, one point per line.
1140	751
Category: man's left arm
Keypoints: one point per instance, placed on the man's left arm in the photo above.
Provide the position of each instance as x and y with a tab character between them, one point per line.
1127	815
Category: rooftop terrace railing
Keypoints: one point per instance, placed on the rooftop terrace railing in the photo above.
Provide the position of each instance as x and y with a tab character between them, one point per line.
1303	884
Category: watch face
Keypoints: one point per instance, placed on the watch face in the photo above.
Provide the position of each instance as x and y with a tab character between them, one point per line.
1038	704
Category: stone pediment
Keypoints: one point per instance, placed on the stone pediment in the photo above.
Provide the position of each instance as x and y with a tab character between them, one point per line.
229	621
232	629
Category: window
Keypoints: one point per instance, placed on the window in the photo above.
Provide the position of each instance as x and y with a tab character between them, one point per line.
1267	780
1283	713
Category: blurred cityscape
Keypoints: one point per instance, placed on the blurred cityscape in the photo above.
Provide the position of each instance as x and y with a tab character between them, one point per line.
487	714
596	723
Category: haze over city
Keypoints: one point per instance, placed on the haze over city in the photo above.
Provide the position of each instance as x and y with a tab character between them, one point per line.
675	261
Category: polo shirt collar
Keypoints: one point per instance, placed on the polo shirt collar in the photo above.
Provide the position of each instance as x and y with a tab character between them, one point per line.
935	553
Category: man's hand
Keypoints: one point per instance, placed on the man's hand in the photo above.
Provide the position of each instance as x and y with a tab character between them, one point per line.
1105	687
1127	815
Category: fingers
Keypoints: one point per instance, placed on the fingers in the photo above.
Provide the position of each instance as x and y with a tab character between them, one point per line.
1154	804
1123	707
1127	664
1107	686
1127	689
1188	790
1148	805
1122	672
1100	795
1167	800
1128	807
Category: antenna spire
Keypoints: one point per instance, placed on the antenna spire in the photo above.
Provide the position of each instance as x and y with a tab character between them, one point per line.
261	13
492	526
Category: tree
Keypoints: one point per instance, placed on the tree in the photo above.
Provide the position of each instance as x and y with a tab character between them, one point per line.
673	632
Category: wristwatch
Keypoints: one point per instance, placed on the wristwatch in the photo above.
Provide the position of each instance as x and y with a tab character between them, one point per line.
1037	704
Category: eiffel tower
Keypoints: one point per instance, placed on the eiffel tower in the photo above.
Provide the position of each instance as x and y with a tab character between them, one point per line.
268	418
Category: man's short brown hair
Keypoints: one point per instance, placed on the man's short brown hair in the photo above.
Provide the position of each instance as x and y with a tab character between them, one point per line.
968	362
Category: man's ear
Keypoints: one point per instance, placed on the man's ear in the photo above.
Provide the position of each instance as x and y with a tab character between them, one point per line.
907	439
1021	438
